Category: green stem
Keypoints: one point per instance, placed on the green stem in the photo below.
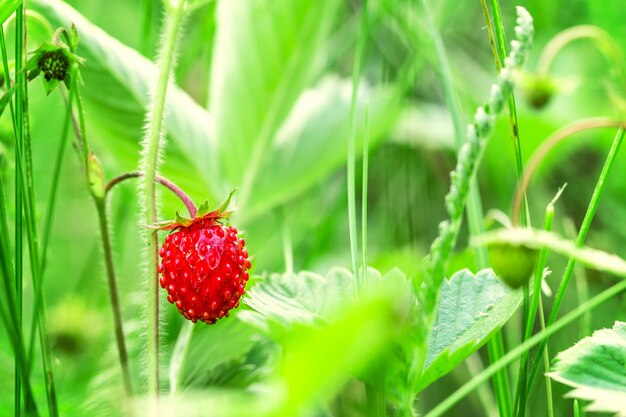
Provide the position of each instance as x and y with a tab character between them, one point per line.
151	147
364	178
546	363
467	165
23	153
81	129
113	292
580	240
356	74
16	308
500	42
500	47
516	352
474	210
605	43
19	179
520	392
10	318
548	145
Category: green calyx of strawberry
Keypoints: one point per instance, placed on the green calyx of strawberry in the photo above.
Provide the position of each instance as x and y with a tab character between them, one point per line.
55	59
204	213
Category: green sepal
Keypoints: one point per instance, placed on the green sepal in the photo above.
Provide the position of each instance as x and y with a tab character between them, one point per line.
220	211
50	85
183	221
203	213
61	47
203	210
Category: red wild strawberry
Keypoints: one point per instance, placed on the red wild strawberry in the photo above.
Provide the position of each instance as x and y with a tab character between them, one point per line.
204	266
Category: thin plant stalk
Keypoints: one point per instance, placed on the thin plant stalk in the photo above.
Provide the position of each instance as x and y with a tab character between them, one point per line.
184	337
364	175
546	363
474	210
498	43
10	319
24	157
525	346
548	145
467	165
351	176
520	392
113	292
580	240
150	160
187	201
17	291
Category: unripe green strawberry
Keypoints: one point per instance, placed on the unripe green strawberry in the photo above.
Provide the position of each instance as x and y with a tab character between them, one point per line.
204	267
513	264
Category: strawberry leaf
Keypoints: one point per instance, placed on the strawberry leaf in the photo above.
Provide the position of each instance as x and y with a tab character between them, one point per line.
596	368
472	308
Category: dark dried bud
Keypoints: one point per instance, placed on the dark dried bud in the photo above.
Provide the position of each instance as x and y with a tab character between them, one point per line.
54	65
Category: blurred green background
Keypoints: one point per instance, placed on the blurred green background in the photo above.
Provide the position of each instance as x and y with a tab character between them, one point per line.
410	157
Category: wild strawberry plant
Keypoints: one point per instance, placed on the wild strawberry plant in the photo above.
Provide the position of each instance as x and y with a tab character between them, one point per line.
276	302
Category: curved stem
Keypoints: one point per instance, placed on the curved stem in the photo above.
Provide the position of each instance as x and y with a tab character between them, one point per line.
149	163
611	51
191	207
547	146
580	240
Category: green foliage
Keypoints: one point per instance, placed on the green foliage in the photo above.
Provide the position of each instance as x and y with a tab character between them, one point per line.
262	101
305	297
537	239
8	8
472	308
596	368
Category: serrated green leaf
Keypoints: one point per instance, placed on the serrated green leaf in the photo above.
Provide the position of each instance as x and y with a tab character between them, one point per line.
266	53
471	309
304	297
596	368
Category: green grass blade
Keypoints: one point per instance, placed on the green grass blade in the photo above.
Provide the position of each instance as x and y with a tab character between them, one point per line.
582	235
25	179
351	177
516	352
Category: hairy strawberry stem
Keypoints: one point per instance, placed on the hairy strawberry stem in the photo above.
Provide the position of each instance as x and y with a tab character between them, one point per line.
149	164
113	292
191	207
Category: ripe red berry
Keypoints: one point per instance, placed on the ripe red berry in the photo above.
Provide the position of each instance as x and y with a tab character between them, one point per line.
204	268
